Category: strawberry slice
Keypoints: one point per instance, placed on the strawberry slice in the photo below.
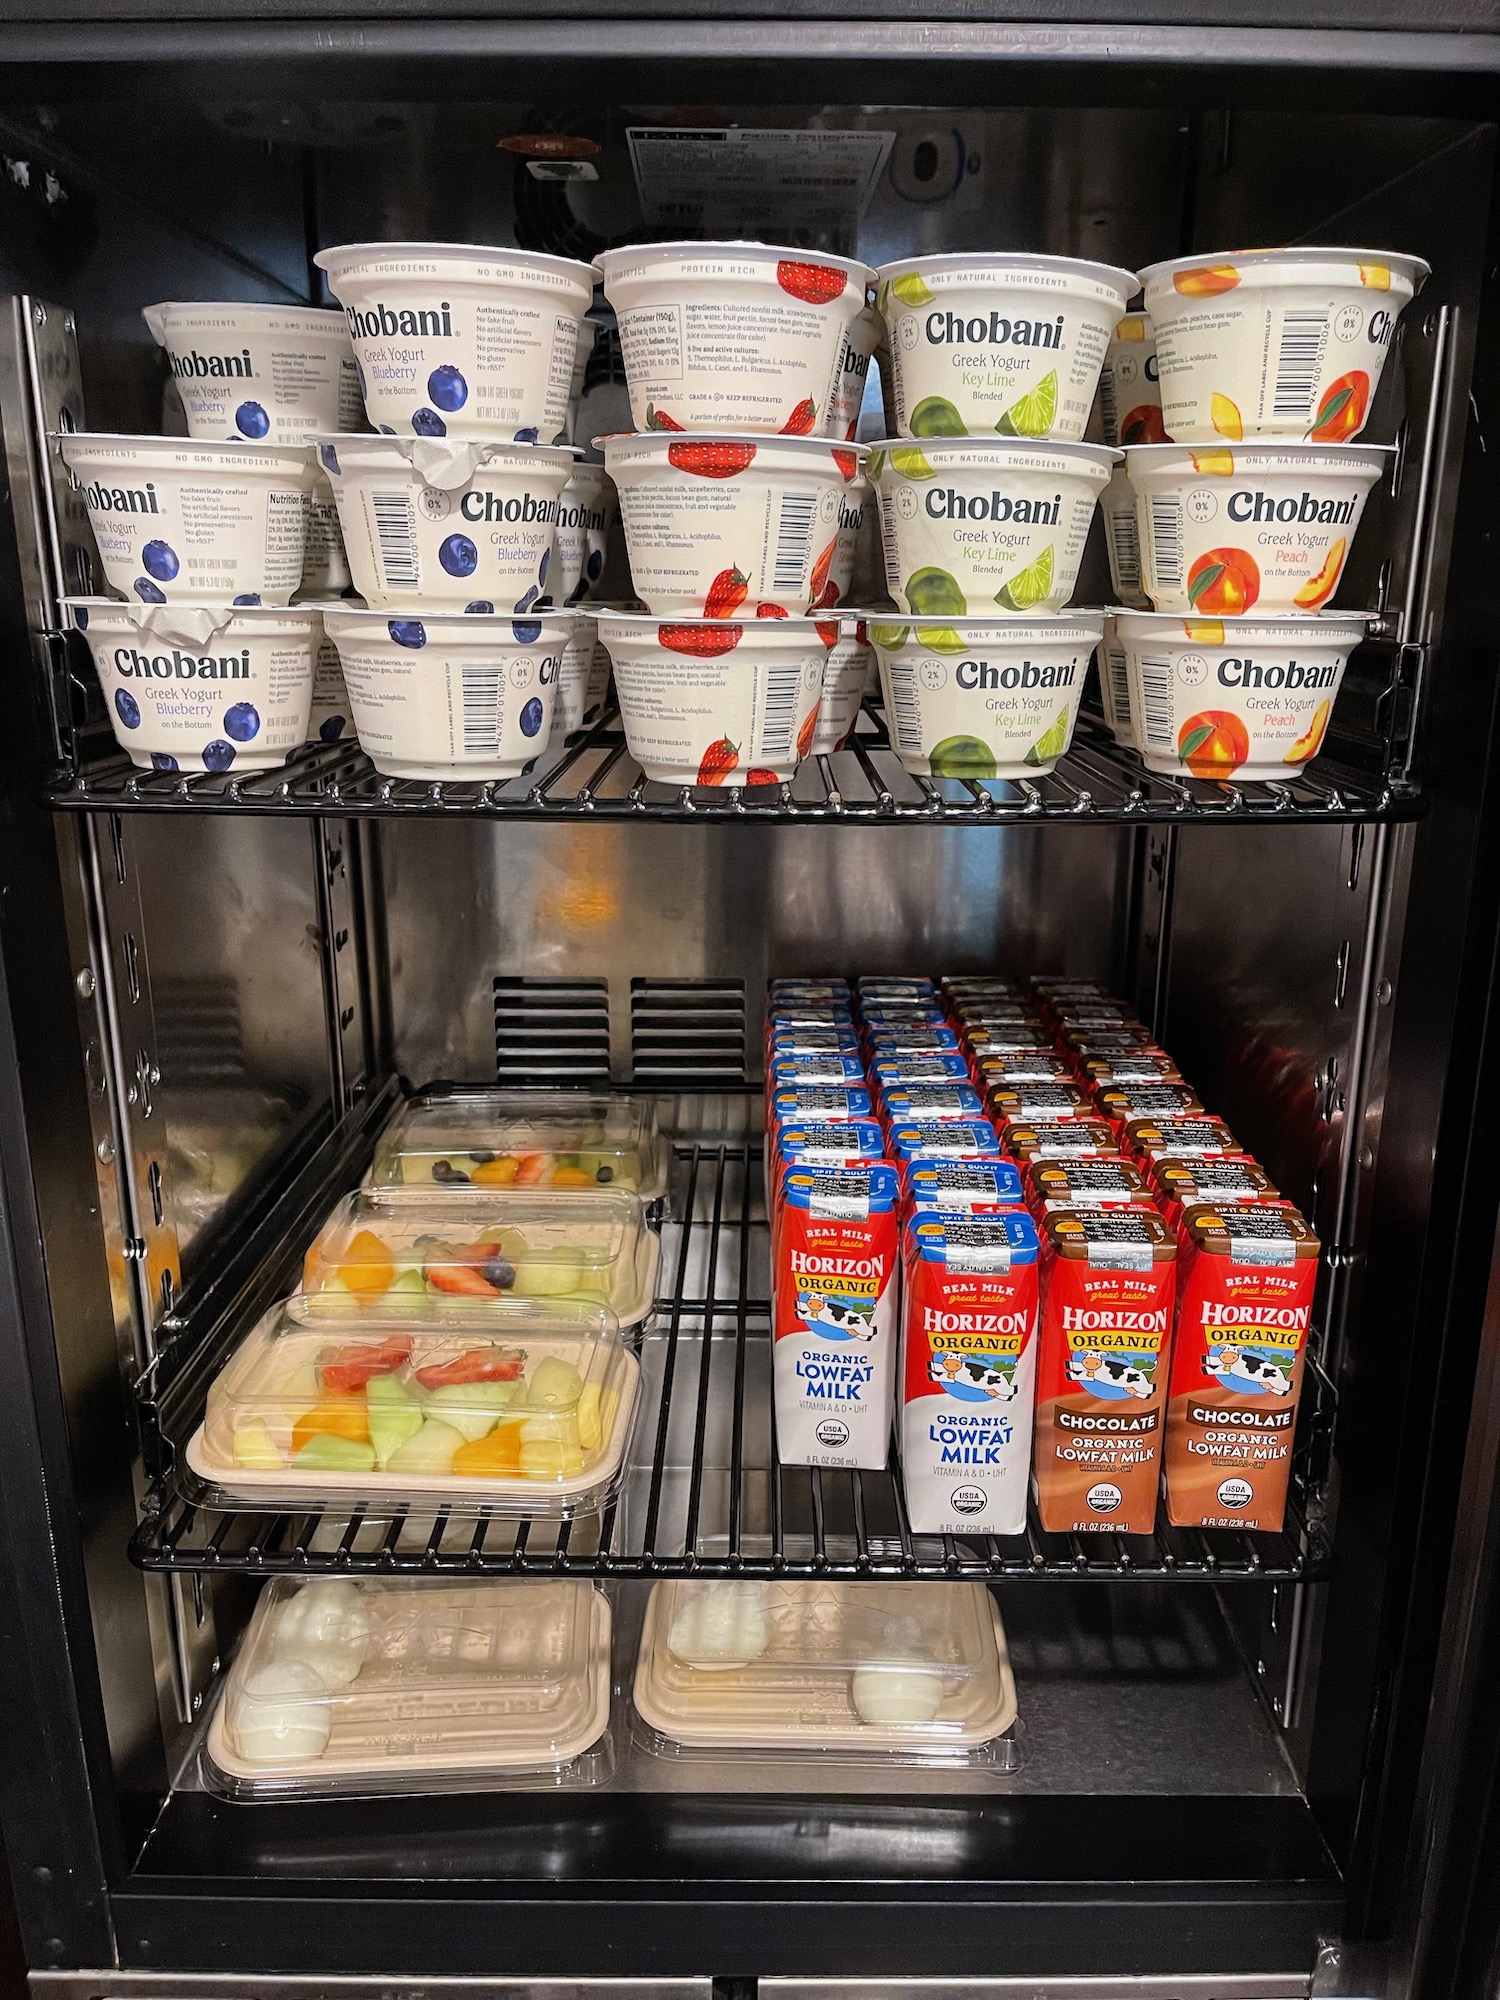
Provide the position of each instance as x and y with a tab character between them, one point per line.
704	642
801	421
658	420
350	1368
814	284
847	463
710	459
476	1364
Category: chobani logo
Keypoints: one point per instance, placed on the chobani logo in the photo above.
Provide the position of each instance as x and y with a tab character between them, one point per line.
379	322
122	499
838	1267
491	507
1085	1319
217	366
944	504
1237	673
984	674
1251	505
176	666
1217	1312
947	329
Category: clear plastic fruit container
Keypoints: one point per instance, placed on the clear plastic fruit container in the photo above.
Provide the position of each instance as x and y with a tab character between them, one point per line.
574	1140
518	1407
884	1669
380	1686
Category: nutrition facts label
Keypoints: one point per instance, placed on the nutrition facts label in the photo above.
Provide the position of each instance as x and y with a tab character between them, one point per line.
773	185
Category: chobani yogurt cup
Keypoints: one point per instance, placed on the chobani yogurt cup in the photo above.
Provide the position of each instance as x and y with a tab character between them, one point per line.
845	671
448	524
857	503
1129	392
180	520
325	566
582	682
1275	343
975	523
450	694
1260	527
586	511
1001	342
453	339
1114	682
718	702
203	687
861	338
330	719
983	697
1245	699
1122	539
731	527
275	374
733	336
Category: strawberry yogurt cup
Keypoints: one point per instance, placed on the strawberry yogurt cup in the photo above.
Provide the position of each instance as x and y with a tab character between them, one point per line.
582	682
862	337
1275	343
976	524
458	340
1129	389
845	672
179	520
1242	699
269	374
203	687
734	527
1004	342
587	510
736	336
448	524
983	697
718	702
857	507
1264	528
451	695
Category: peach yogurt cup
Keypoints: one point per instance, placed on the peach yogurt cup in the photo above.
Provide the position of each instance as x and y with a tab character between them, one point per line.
1275	343
1129	389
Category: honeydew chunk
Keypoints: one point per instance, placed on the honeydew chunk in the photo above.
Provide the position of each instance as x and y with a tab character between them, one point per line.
550	1274
255	1448
325	1451
326	1625
897	1696
334	1296
430	1450
394	1416
471	1407
721	1625
554	1384
283	1714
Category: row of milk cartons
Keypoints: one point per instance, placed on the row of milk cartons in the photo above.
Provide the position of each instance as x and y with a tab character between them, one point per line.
1002	1223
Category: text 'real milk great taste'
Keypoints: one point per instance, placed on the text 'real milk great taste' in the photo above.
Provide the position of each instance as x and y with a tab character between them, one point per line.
968	1371
834	1325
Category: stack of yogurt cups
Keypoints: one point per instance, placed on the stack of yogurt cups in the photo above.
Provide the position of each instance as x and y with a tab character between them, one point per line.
1236	396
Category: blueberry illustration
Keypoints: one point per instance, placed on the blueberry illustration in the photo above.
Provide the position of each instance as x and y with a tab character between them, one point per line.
159	559
447	388
458	556
331	730
127	708
541	568
242	721
528	436
480	605
83	619
527	598
387	430
330	459
594	567
251	420
531	716
407	631
160	761
428	424
148	592
525	632
218	755
250	597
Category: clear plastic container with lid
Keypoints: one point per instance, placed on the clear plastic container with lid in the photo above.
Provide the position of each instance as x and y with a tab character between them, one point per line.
522	1138
519	1408
385	1250
379	1686
888	1670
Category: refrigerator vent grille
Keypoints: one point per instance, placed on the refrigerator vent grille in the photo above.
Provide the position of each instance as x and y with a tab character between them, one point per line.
551	1031
687	1029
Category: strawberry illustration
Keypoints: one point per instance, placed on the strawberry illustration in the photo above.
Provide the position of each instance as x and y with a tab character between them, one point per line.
710	460
759	775
770	611
726	593
658	420
849	434
719	759
808	730
828	631
704	642
799	424
814	284
846	461
818	585
862	632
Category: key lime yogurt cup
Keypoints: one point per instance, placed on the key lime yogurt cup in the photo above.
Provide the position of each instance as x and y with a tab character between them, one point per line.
270	374
1114	682
718	702
203	687
1003	342
1240	699
845	672
719	526
450	695
587	510
972	525
448	524
459	339
181	520
983	697
1275	343
1129	389
735	336
1122	539
1264	527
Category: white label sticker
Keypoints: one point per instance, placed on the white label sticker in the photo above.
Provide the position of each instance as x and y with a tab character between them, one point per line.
761	183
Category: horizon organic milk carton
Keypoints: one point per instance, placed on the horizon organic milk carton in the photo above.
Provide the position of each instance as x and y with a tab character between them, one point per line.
1244	1306
834	1325
1108	1284
968	1370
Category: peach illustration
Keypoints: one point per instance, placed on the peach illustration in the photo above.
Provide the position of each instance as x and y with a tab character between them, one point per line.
1213	743
1223	582
1205	281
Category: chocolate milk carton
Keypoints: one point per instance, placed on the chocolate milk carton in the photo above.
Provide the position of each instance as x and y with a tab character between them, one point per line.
968	1371
834	1314
1244	1305
1108	1285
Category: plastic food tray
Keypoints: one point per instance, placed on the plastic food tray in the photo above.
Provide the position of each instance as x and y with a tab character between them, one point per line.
563	1141
446	1687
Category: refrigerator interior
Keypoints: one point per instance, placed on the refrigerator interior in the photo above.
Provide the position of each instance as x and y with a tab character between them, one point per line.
1214	1769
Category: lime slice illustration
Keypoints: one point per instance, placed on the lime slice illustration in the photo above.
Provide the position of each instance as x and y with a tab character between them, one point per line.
911	461
1028	587
910	289
891	637
941	639
935	417
933	593
1034	414
962	757
1049	746
874	466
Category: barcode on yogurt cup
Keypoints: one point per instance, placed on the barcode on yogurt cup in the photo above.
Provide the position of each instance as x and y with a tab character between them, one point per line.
1165	543
1299	364
480	694
779	714
1157	725
794	527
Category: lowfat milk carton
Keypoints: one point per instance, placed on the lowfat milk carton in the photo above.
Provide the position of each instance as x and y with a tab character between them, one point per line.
968	1370
834	1316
